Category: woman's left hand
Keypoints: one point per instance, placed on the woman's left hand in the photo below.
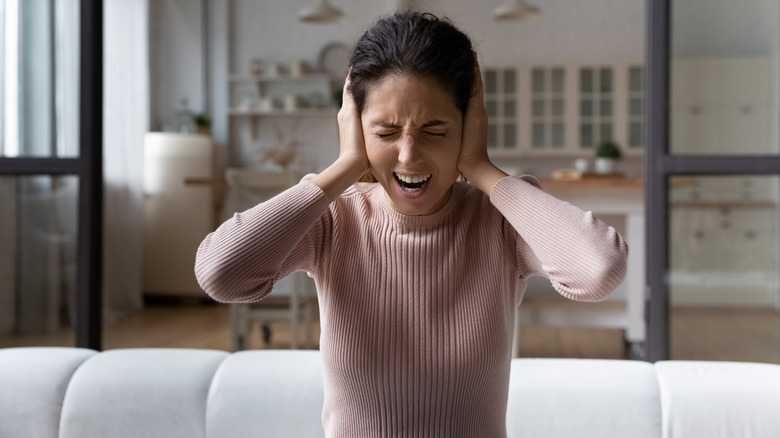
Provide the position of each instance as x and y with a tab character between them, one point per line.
474	162
473	149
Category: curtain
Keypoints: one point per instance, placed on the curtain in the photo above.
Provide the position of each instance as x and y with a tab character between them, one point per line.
126	120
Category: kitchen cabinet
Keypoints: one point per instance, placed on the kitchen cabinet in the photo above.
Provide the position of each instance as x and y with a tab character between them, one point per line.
563	110
724	234
721	106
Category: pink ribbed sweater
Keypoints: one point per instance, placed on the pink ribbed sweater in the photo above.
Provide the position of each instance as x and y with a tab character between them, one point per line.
416	311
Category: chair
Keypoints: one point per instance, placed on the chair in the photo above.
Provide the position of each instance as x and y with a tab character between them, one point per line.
293	298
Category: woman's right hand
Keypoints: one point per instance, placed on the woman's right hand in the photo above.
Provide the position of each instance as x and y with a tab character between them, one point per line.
353	160
352	146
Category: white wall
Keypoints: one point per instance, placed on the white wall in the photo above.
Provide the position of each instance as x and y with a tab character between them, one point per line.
569	31
176	57
566	31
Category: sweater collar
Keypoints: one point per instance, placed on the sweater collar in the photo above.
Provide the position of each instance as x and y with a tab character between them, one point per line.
378	193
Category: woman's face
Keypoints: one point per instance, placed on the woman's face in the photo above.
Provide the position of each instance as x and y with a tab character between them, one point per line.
413	132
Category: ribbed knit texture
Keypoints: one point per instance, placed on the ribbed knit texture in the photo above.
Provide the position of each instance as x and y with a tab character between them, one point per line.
416	312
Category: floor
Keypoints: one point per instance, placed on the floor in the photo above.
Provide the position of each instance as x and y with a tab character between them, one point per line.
697	334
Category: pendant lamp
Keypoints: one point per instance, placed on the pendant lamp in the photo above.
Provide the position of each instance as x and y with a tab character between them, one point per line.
320	12
515	10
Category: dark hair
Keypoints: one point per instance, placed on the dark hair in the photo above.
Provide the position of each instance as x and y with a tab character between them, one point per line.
410	42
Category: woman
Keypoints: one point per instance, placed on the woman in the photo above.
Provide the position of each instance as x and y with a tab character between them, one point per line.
418	276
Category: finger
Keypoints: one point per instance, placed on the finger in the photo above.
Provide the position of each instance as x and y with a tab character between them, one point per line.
346	95
478	88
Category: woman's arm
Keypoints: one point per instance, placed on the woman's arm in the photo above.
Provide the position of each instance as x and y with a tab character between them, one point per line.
243	259
584	258
246	255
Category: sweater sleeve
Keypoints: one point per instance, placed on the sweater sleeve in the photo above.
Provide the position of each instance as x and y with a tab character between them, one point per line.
584	258
246	255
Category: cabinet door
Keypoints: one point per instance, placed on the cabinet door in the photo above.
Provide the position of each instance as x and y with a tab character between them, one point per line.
745	128
548	108
720	106
502	106
694	128
596	106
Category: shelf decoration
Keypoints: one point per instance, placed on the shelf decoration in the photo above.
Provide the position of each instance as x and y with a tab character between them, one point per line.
285	152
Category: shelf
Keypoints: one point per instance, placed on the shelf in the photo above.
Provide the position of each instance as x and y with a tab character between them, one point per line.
308	112
309	77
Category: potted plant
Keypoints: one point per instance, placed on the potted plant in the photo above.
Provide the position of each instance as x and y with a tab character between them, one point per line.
203	123
607	155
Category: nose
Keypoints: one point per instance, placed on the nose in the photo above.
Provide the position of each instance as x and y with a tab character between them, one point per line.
408	150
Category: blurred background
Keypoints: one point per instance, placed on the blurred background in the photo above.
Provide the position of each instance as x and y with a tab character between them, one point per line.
210	106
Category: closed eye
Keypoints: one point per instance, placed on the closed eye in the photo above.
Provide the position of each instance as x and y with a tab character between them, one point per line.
385	135
436	134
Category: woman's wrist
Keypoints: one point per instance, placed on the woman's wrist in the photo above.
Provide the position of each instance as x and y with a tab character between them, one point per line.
484	175
340	175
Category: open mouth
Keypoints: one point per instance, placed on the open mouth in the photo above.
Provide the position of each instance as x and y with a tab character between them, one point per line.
412	183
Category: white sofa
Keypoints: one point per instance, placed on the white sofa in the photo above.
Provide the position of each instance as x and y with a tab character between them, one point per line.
171	393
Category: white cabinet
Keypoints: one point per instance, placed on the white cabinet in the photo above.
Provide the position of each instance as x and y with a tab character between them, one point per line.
721	106
176	216
564	109
724	234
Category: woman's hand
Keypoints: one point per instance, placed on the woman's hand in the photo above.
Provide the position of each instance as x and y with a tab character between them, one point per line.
473	149
352	146
352	162
474	162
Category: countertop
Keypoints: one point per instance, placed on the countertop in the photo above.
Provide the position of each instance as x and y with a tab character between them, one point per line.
593	181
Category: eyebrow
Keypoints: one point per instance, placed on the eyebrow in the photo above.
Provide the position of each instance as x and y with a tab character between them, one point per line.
390	125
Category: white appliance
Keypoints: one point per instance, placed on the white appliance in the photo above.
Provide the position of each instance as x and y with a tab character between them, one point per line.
177	216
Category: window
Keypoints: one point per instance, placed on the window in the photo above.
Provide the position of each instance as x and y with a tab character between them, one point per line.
50	168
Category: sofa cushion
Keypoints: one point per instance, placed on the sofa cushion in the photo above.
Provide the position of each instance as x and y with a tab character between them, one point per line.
719	399
33	381
278	393
140	393
556	398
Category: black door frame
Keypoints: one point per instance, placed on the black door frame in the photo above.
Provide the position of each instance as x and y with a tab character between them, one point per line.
660	165
88	167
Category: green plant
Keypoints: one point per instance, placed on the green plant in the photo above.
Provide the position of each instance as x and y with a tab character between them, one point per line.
608	149
202	120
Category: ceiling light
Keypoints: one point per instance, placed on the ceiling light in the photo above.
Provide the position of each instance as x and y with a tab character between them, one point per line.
320	12
515	10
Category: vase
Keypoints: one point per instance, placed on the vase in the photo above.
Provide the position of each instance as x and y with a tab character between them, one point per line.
605	165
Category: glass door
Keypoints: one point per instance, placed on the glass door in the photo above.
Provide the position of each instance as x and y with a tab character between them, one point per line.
713	181
50	171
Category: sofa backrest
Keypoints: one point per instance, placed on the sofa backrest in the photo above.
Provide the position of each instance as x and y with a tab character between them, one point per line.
583	398
70	393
